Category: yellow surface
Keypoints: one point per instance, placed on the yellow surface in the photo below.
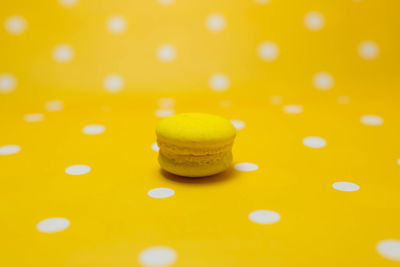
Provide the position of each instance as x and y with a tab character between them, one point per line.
195	144
206	222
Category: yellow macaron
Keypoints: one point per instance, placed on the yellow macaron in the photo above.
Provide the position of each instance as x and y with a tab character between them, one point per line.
195	144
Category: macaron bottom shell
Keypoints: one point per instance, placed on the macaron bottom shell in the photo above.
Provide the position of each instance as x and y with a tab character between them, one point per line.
192	168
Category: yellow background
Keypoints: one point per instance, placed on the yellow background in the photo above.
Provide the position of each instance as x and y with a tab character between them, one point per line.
206	221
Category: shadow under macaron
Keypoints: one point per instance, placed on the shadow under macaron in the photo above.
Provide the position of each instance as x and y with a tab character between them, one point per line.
224	176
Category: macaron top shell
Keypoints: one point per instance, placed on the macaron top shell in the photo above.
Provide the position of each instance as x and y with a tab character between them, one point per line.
196	129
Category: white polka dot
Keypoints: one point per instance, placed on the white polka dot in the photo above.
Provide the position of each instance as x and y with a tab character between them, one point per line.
262	2
343	99
164	112
372	120
314	142
68	3
264	216
368	50
166	102
63	53
78	169
345	186
225	103
246	166
166	53
398	161
9	149
157	256
268	51
323	80
239	125
292	109
219	82
389	249
33	117
166	2
93	129
54	105
276	100
116	24
314	21
53	225
161	193
15	25
8	82
113	83
215	22
155	147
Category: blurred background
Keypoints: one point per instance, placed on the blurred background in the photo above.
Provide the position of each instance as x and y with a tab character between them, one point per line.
246	47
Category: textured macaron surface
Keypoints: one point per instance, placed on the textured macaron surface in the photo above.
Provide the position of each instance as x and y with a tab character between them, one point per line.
191	166
195	144
196	129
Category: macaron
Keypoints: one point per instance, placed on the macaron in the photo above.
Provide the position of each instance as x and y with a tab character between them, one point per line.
195	144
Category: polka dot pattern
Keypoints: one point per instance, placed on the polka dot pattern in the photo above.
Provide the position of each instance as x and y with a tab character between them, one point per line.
53	225
246	167
164	113
368	50
292	109
113	83
346	186
157	256
166	53
372	120
116	24
54	105
389	249
268	51
8	82
314	21
310	86
239	125
262	2
155	147
264	217
63	53
33	117
166	2
161	193
16	25
9	149
323	81
68	3
314	142
219	82
93	129
215	22
77	169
